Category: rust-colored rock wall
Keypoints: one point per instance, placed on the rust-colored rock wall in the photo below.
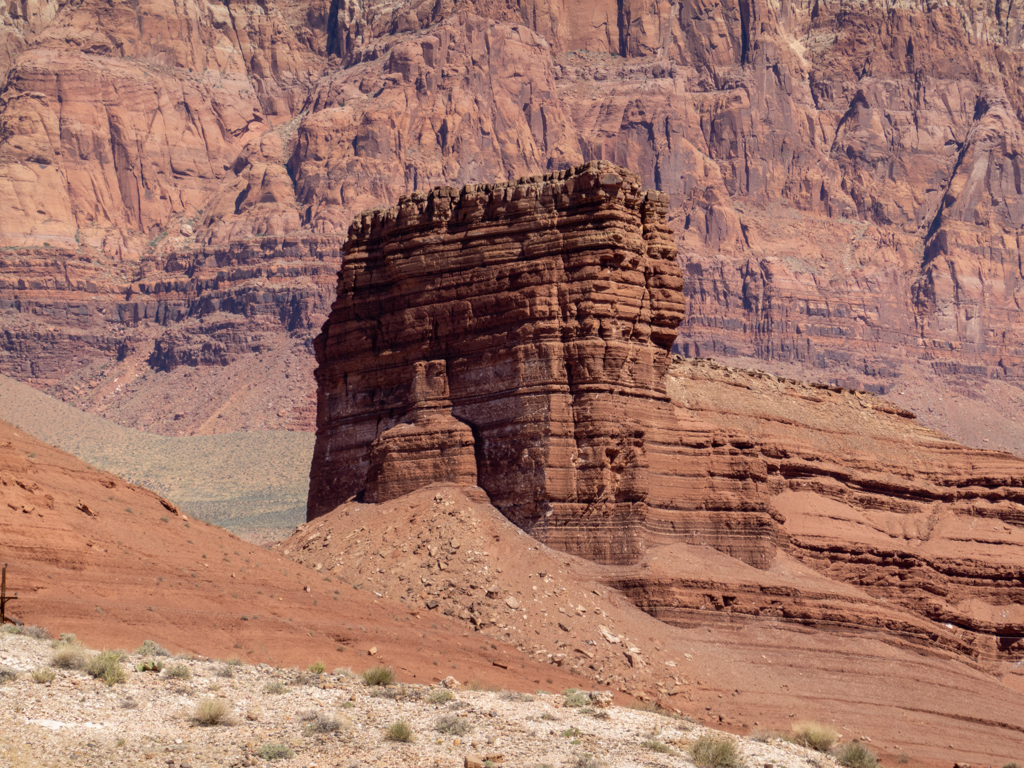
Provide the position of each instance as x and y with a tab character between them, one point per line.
550	304
522	327
864	497
842	178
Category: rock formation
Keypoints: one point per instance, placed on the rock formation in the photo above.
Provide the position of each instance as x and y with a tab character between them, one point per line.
846	208
431	443
550	303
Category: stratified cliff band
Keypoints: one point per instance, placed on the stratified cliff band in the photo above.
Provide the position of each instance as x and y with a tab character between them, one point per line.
515	337
545	309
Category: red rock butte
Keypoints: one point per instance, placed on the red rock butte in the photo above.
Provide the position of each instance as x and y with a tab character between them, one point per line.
515	336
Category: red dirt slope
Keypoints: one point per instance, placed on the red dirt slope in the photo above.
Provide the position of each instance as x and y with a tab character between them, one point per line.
108	561
446	552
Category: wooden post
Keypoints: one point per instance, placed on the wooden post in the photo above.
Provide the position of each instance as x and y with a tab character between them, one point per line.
4	599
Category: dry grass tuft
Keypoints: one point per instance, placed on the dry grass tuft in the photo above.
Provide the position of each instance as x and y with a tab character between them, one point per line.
399	731
43	675
814	735
212	711
106	666
69	654
178	672
453	725
856	755
715	752
379	676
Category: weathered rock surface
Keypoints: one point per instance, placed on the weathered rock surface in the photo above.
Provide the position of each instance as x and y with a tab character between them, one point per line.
863	495
550	303
848	208
584	436
120	125
431	444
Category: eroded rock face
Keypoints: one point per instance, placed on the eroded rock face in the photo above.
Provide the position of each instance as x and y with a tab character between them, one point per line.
552	302
849	208
528	324
864	497
431	446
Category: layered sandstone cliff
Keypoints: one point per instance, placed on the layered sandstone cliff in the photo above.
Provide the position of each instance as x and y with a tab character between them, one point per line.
544	308
515	337
844	206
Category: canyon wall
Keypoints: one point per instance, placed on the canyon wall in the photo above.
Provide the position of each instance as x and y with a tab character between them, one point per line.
842	177
515	337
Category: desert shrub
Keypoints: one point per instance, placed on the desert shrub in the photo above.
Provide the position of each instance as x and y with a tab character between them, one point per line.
399	731
68	654
453	725
714	752
656	746
379	676
856	755
36	633
210	711
1012	765
575	698
317	667
275	687
572	733
275	751
440	696
150	665
106	666
343	672
7	675
149	648
323	724
516	696
178	672
225	671
814	735
766	736
43	675
587	760
396	693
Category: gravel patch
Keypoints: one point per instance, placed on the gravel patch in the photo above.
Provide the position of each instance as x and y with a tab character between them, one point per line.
149	720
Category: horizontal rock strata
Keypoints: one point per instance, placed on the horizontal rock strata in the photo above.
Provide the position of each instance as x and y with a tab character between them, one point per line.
549	303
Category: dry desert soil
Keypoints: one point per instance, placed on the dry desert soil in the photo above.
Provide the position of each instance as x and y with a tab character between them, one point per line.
59	717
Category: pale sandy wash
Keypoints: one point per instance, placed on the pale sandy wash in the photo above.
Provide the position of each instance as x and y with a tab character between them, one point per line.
76	720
